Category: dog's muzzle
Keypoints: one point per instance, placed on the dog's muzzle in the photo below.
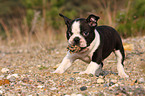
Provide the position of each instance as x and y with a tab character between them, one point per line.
76	41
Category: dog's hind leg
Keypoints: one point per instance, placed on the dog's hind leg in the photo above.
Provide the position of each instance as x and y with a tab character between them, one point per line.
120	59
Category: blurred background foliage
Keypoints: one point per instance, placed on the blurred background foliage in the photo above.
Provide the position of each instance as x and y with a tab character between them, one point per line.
32	20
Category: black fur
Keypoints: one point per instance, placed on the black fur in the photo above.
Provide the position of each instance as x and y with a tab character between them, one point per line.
110	41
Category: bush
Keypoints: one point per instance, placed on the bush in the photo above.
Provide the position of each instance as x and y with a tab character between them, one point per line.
131	22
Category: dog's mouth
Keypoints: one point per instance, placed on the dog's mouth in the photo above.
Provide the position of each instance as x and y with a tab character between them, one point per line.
76	49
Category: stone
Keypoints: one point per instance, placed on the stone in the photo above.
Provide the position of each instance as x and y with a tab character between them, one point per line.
13	75
83	88
72	78
100	81
141	80
114	80
53	88
1	92
135	81
25	80
40	86
104	73
5	70
75	72
38	66
115	85
105	85
128	47
111	83
91	75
12	79
1	77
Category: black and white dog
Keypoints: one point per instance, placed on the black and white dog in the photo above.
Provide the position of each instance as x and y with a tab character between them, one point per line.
96	43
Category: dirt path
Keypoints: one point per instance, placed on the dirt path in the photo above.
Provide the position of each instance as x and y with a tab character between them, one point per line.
27	72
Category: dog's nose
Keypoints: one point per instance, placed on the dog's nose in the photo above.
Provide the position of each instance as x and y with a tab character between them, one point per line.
76	40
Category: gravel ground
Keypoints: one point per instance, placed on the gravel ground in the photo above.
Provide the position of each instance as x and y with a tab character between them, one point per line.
26	72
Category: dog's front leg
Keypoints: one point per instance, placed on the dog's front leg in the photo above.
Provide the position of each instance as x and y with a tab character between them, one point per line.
95	66
92	68
66	63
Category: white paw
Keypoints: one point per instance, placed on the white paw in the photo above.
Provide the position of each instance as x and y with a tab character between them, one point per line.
123	75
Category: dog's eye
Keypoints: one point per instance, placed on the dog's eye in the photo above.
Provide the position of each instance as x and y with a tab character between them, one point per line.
85	33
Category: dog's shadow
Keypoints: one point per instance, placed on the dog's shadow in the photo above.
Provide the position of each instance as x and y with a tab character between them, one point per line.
104	73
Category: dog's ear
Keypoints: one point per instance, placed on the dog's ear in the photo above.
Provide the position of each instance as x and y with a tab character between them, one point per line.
92	20
67	20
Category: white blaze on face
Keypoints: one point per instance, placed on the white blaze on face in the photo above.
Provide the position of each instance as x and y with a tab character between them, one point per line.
76	27
76	33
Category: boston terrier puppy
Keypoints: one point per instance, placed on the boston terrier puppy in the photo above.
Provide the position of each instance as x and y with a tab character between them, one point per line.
96	44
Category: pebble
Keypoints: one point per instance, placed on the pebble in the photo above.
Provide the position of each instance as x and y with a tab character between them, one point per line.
100	81
1	77
72	78
1	92
40	86
38	66
101	76
13	75
135	81
76	72
53	88
91	75
114	80
5	70
115	85
128	47
104	73
141	80
12	79
111	83
25	80
83	88
105	85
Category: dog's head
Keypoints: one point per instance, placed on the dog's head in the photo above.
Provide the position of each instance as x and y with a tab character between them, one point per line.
80	31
